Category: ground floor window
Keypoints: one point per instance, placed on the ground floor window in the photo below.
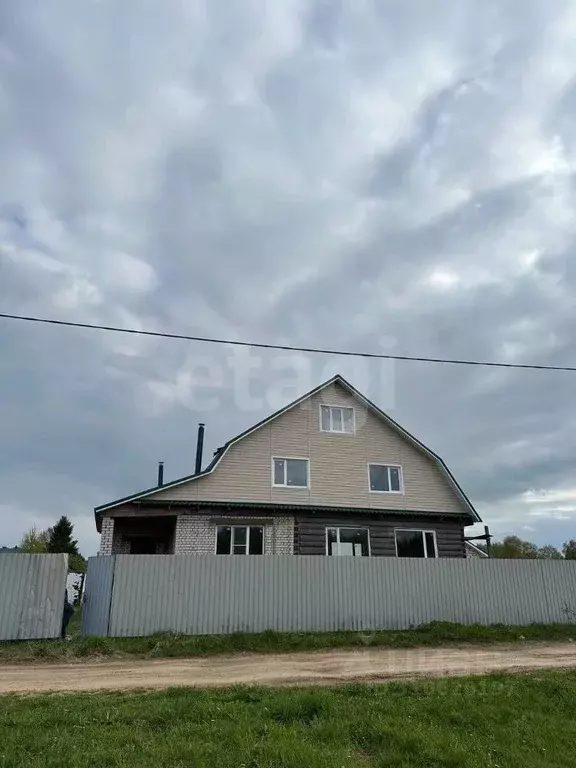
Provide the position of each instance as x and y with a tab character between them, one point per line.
412	543
239	540
348	541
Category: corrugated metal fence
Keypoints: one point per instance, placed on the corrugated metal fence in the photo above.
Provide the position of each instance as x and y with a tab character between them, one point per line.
130	595
31	595
98	596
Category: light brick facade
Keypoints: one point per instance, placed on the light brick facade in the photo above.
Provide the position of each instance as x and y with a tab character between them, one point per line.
107	536
196	534
279	537
193	536
111	542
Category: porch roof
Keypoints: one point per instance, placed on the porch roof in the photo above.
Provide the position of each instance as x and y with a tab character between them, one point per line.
150	506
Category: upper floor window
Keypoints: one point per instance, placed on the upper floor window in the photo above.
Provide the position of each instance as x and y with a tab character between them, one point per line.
415	543
385	478
336	418
239	540
290	473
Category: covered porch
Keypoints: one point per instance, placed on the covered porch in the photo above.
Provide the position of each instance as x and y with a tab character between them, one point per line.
141	535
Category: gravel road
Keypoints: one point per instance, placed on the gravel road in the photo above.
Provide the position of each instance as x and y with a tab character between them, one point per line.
319	668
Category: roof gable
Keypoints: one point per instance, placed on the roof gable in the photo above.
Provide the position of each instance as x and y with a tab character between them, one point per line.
339	380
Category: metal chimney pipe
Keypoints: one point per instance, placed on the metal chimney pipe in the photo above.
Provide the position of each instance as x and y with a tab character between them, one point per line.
199	449
160	473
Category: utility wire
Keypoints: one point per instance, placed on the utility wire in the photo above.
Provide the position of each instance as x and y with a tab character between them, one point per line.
287	348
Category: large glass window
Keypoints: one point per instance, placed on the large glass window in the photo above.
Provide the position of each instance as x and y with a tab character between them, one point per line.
413	543
239	540
290	473
348	541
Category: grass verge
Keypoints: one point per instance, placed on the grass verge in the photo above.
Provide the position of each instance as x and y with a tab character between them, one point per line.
496	721
185	646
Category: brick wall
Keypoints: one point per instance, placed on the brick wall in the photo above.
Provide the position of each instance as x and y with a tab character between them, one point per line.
196	535
279	537
107	536
111	542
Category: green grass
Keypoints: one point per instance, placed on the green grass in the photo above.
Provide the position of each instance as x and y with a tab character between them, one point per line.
75	624
185	646
490	722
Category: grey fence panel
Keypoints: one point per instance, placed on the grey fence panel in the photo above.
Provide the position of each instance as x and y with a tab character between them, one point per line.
32	591
464	591
560	586
206	594
98	596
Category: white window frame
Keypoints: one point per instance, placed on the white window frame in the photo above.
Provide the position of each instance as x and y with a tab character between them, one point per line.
339	528
240	525
338	431
284	485
388	466
423	531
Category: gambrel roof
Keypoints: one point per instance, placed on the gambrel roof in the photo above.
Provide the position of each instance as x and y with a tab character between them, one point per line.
341	381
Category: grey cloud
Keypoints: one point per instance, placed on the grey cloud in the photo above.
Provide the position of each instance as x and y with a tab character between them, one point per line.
295	175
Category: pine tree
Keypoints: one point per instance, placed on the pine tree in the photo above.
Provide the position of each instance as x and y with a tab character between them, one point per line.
61	538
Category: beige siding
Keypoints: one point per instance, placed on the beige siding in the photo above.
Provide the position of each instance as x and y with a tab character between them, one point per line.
338	464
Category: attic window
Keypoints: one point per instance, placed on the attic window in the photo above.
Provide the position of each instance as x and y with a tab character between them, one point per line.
290	473
336	418
385	478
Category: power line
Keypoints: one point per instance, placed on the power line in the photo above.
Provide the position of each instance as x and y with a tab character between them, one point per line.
286	347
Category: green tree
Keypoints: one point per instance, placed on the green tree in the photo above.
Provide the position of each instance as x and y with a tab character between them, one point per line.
548	552
34	541
569	549
61	541
61	538
76	564
515	548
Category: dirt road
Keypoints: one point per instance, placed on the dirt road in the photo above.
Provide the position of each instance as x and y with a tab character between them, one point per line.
320	668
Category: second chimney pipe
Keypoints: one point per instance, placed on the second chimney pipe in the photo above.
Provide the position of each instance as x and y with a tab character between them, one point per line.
199	449
160	473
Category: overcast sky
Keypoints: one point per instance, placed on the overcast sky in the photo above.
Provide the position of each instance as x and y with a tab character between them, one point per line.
360	175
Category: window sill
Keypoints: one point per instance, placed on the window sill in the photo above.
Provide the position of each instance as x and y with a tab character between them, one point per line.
291	487
337	434
389	493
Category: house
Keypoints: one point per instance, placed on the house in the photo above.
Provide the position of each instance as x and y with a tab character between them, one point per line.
328	474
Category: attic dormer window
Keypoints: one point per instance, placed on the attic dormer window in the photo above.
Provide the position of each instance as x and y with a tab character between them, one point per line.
337	419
